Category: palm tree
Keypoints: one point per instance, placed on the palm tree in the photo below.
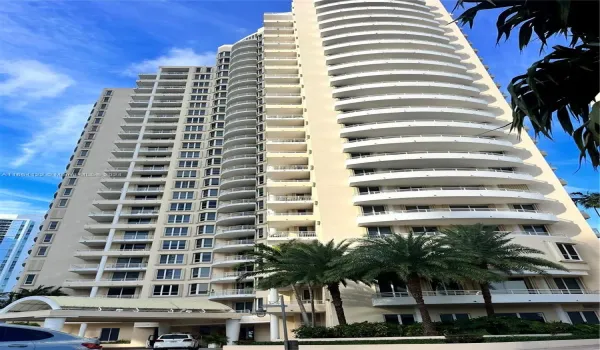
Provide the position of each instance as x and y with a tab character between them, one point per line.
412	258
492	252
23	293
590	200
322	266
277	271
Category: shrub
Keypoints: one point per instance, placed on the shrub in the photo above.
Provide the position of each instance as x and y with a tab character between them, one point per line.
586	329
464	338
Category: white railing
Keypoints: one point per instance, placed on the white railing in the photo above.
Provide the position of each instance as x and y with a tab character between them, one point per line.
226	292
449	188
284	117
174	73
170	87
293	234
93	238
290	213
287	167
235	178
102	213
429	152
440	169
349	126
227	275
224	229
289	180
287	140
133	238
412	136
152	189
241	136
84	267
126	266
122	296
241	214
290	198
453	210
234	258
237	201
237	147
493	292
252	156
236	167
237	189
235	242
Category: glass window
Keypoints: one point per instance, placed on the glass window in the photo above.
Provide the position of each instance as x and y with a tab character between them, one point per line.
204	243
67	191
171	259
532	316
201	272
29	279
166	290
204	257
176	231
568	251
47	238
63	203
168	274
52	225
42	251
535	230
199	289
173	245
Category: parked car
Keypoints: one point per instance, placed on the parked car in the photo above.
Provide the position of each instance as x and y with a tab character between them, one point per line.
175	341
30	338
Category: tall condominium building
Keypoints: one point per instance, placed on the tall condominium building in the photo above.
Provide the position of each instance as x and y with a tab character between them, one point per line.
340	119
16	239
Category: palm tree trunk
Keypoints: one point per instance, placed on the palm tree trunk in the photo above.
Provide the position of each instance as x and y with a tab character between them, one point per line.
336	300
300	305
487	298
596	210
312	305
414	287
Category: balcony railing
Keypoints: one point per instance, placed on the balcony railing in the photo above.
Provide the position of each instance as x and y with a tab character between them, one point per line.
293	234
117	296
425	152
439	169
237	189
407	136
126	266
234	242
226	292
447	188
290	198
234	258
223	229
453	210
478	292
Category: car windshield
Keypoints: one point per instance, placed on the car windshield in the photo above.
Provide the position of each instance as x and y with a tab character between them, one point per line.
174	336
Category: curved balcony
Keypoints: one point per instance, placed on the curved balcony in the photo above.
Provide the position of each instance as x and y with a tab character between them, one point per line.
234	246
362	23
236	205
418	127
442	176
391	53
245	119
401	74
237	132
229	277
235	231
349	19
239	160
238	70
237	218
409	87
404	99
391	114
392	8
238	181
322	6
237	193
236	150
451	216
239	82
379	44
250	104
427	143
239	170
291	235
232	260
242	60
410	34
232	294
439	158
449	195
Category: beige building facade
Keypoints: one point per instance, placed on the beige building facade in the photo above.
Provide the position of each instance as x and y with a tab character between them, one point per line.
340	119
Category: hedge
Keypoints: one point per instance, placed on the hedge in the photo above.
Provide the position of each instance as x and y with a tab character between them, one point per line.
477	326
426	341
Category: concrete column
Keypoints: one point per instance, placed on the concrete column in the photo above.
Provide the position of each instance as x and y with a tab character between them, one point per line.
82	329
417	314
232	330
274	327
562	314
273	296
163	328
54	323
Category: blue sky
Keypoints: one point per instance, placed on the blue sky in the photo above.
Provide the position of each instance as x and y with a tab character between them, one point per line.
55	57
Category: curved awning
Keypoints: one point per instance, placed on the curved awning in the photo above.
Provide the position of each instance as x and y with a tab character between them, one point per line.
40	303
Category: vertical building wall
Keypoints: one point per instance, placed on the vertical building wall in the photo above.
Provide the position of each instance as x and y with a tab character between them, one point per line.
64	225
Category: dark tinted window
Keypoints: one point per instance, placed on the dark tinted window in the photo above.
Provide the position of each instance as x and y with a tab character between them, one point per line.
174	336
391	319
533	316
21	334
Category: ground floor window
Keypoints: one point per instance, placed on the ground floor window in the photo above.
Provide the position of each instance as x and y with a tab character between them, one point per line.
399	319
532	316
109	334
579	317
453	317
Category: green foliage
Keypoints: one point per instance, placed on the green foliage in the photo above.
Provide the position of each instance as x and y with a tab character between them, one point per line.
464	338
564	82
30	324
590	200
215	338
23	293
474	327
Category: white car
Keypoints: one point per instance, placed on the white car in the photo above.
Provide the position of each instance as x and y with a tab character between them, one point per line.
30	338
175	341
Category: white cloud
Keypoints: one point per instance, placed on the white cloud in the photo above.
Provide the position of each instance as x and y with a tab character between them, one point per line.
27	80
175	57
7	194
54	140
22	208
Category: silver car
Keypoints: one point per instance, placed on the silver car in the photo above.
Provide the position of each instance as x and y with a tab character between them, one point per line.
27	338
